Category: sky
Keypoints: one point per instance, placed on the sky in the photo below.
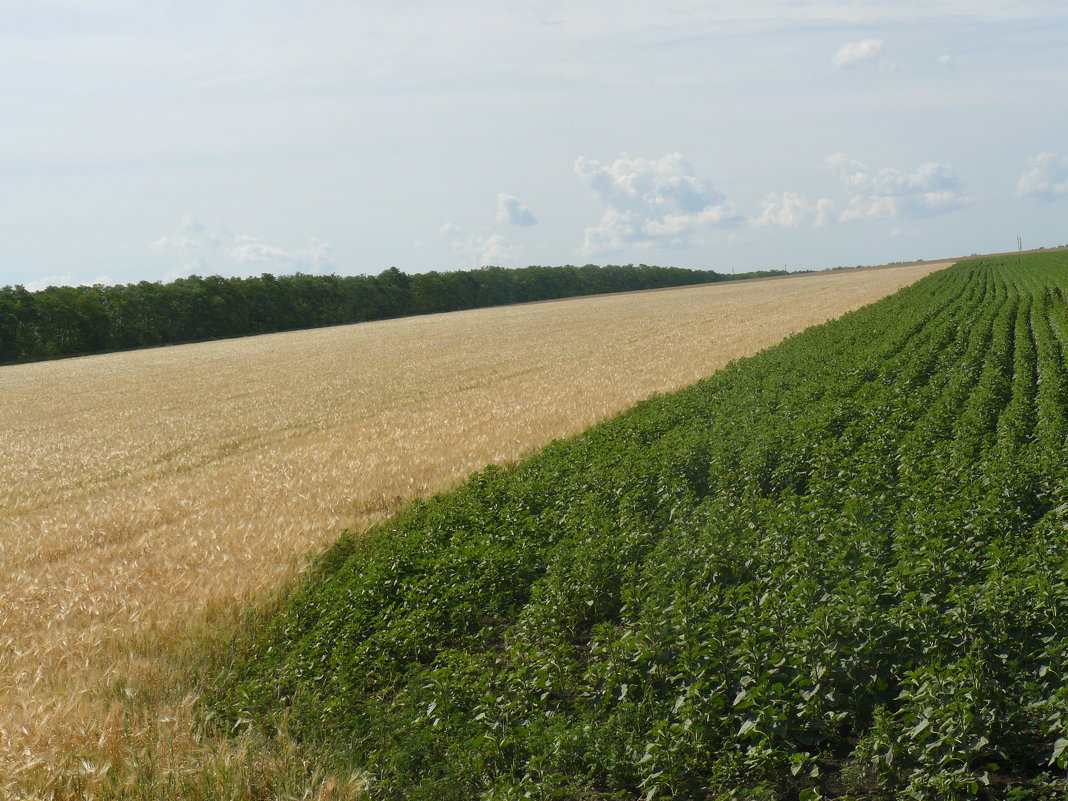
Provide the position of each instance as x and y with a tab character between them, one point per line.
157	139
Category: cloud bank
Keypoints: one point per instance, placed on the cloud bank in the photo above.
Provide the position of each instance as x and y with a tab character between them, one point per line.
200	249
651	202
791	210
480	250
65	280
931	189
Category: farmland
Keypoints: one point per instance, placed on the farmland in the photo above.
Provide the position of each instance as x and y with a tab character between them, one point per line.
148	495
837	569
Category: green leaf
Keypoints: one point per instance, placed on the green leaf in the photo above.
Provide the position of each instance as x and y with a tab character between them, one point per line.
1058	749
919	728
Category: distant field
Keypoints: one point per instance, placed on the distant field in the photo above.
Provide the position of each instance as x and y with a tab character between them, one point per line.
143	490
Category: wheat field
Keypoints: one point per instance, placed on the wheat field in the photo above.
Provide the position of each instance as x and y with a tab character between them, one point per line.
148	496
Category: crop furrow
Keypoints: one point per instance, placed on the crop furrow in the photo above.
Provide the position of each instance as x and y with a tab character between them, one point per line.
976	426
934	430
1051	395
1017	421
868	415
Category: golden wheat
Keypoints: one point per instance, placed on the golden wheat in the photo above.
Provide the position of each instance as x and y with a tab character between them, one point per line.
144	491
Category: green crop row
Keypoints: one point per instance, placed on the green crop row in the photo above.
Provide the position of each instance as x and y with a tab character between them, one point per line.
836	569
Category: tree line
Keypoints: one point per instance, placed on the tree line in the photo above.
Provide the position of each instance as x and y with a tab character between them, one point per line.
67	321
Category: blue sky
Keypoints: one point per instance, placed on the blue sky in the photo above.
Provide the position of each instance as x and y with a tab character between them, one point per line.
150	140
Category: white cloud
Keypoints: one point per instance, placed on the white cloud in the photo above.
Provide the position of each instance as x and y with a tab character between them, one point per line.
1047	179
888	193
50	280
204	250
651	202
194	267
247	248
824	211
495	250
857	53
319	255
791	210
65	280
946	60
173	243
511	212
480	250
193	238
850	171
